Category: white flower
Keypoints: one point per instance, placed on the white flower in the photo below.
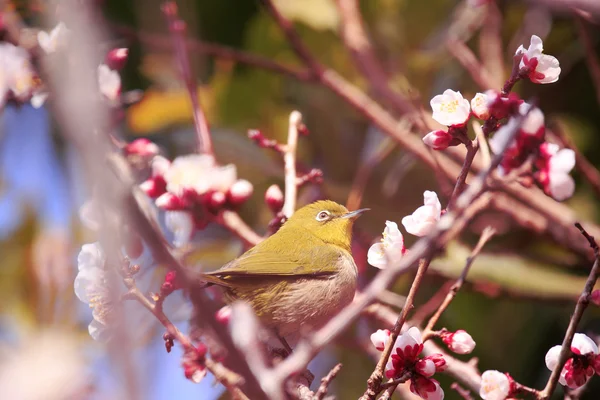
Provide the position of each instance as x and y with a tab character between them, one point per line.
56	39
181	224
479	106
582	345
390	248
544	68
494	385
461	342
200	174
424	218
408	340
16	73
450	108
91	287
555	174
109	83
533	124
380	338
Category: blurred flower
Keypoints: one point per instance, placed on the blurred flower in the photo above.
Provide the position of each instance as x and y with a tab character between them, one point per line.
450	108
156	185
380	338
479	106
181	224
47	365
555	165
580	367
542	68
141	147
109	83
116	58
495	385
54	40
91	287
424	218
438	140
17	75
198	173
389	249
459	342
224	315
533	124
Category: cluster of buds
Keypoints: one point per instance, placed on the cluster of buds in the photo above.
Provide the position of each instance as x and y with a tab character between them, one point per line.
420	223
405	361
194	189
193	363
170	284
583	364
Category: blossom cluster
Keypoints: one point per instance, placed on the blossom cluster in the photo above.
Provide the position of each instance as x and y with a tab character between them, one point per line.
419	223
552	164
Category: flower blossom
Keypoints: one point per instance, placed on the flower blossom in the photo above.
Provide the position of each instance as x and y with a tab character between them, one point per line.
459	342
54	40
581	366
17	76
389	249
495	385
555	165
423	219
109	83
542	67
91	288
405	359
200	174
450	108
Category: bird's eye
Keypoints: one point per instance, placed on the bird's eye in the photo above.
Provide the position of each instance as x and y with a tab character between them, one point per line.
323	215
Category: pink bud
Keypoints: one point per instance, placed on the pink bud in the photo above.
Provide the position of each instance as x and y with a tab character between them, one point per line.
215	201
239	192
425	367
379	338
459	342
223	315
439	361
595	297
154	187
142	147
274	198
116	58
438	140
168	201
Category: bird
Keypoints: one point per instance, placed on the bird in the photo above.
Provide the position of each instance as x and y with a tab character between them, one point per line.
299	277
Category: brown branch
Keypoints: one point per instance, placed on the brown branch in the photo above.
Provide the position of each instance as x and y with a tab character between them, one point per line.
472	148
490	44
356	40
326	381
483	239
582	304
177	29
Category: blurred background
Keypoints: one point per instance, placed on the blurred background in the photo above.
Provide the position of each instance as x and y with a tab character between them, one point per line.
521	290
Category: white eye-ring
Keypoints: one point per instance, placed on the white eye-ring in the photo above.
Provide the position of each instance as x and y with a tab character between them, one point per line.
323	215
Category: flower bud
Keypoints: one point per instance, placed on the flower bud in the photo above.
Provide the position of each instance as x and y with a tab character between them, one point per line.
223	315
154	187
141	147
595	297
239	192
215	201
168	201
116	58
438	140
274	198
380	338
439	361
459	342
479	106
425	367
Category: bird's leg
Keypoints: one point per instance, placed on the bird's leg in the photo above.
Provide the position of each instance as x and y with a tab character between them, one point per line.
284	342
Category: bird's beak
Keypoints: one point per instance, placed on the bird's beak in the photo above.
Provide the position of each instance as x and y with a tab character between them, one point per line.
354	214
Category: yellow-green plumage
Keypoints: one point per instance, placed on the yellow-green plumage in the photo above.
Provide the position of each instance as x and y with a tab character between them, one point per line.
300	276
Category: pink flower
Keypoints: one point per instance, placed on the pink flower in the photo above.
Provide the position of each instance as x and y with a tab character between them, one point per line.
495	385
555	165
425	367
109	83
423	219
425	388
438	140
459	342
542	68
380	338
389	249
406	350
450	108
580	367
479	106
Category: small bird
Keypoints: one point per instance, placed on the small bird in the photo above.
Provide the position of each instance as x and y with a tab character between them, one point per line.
299	277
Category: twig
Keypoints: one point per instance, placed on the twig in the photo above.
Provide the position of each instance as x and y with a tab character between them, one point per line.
396	381
472	147
464	393
582	304
469	61
486	235
289	158
177	29
486	157
232	221
326	381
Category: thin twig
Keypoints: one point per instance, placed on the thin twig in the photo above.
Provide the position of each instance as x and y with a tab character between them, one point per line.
289	158
472	147
462	392
582	304
469	61
486	235
232	221
177	29
326	381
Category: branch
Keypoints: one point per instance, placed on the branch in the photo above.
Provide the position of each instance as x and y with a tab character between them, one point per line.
469	61
232	221
580	307
289	158
326	381
472	148
177	28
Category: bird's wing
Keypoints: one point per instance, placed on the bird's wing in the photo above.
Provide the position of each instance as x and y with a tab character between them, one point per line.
317	261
